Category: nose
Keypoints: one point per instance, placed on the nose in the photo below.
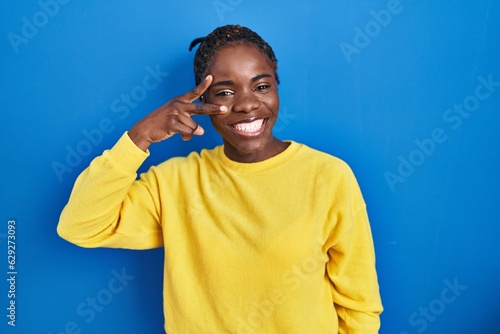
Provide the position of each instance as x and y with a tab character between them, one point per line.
246	102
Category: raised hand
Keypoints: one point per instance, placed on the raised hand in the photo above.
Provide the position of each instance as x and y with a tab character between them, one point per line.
175	117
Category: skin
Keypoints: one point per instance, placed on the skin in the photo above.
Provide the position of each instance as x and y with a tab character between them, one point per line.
240	87
244	82
174	117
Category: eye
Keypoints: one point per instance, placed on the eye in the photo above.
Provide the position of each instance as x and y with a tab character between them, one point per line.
224	93
262	87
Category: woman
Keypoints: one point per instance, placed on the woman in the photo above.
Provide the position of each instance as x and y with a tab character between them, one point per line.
260	235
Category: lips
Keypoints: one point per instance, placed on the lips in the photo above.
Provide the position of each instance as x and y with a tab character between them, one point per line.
249	127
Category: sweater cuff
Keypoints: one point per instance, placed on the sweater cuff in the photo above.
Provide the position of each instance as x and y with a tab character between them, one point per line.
125	151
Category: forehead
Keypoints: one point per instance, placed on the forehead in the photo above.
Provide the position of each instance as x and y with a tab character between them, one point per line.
238	58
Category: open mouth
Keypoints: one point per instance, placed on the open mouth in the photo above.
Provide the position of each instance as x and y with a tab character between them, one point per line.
250	127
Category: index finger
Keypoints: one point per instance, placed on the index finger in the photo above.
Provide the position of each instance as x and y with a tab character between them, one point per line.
197	91
207	109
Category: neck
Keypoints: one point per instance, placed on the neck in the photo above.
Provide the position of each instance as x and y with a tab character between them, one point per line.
274	147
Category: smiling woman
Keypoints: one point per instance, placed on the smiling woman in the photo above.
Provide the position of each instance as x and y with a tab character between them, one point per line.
293	253
244	82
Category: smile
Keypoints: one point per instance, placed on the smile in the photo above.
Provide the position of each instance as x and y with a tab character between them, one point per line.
249	128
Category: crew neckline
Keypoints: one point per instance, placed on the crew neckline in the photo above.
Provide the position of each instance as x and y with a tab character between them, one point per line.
256	167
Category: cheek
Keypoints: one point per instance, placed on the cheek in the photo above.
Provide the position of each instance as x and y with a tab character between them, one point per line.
273	103
216	120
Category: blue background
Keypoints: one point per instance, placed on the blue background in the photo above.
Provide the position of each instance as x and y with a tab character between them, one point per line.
361	89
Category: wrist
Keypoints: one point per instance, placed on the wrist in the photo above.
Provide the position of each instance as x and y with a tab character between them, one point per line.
139	140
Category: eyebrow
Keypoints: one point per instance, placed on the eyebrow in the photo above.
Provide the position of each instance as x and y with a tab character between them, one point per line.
223	83
260	76
231	83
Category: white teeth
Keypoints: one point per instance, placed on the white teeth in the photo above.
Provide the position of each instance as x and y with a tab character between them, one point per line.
249	127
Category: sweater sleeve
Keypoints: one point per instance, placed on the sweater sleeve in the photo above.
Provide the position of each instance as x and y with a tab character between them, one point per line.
351	268
108	207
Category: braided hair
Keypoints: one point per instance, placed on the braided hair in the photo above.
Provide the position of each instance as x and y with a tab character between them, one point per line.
225	36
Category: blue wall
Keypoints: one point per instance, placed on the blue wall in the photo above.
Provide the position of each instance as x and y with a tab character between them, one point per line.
407	92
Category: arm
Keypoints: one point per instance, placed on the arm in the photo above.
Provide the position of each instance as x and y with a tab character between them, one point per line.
355	286
351	269
108	207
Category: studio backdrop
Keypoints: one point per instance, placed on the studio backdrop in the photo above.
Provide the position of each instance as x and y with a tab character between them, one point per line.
406	92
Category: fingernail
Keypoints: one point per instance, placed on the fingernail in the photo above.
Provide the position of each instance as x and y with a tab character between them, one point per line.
223	108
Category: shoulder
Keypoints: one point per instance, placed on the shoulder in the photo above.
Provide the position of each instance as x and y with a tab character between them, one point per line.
178	171
332	172
191	162
323	160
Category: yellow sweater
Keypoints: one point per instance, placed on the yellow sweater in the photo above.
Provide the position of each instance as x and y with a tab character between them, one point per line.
279	246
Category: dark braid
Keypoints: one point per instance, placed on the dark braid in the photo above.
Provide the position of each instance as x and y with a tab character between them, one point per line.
225	36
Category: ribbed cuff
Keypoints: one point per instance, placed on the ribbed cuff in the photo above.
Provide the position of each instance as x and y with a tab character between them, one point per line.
129	156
